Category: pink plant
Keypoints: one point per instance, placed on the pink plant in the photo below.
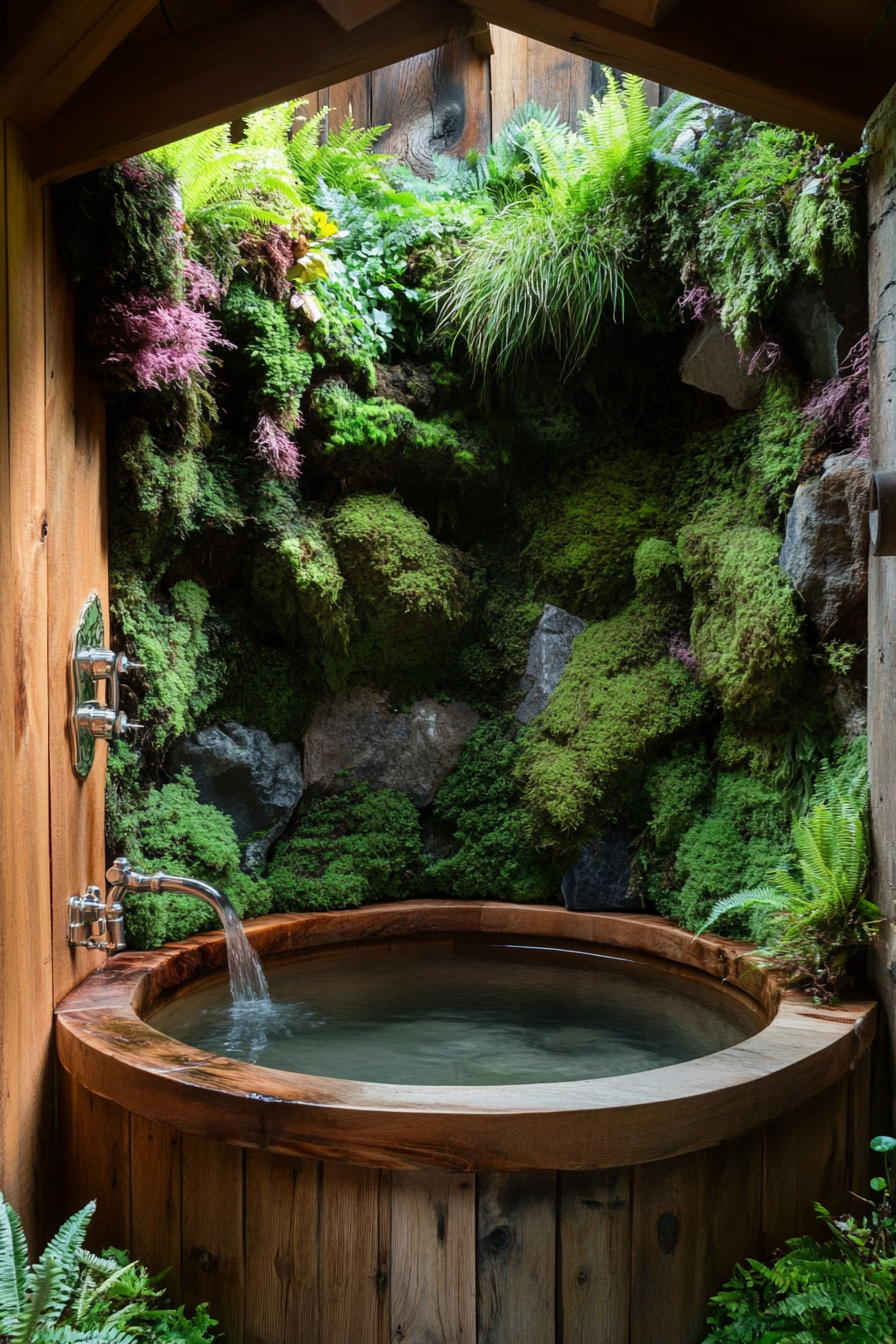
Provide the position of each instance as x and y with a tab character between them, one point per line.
699	304
840	406
268	258
274	446
681	651
200	286
765	357
155	340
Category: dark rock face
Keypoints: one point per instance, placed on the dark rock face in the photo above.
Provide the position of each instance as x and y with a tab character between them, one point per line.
825	551
813	330
713	363
241	772
549	651
600	880
407	383
412	752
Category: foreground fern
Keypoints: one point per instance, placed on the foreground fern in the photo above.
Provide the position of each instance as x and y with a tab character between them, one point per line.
821	912
842	1291
73	1297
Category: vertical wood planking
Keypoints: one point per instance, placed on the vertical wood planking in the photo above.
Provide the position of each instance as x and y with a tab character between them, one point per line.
524	70
77	565
28	1166
595	1241
282	1250
516	1232
735	1166
212	1231
94	1162
509	75
668	1304
805	1161
354	1287
351	98
881	139
156	1199
436	104
858	1133
433	1258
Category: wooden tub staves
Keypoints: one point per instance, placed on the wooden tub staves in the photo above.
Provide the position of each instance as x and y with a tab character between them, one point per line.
311	1210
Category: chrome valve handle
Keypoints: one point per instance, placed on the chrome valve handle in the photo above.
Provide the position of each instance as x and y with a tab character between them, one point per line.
92	663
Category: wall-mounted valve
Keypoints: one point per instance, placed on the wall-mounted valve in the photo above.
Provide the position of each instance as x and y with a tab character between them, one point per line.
92	663
882	513
94	923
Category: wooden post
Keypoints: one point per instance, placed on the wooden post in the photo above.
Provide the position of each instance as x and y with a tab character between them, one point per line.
882	577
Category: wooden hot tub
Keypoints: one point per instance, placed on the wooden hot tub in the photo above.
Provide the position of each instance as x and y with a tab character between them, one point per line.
310	1210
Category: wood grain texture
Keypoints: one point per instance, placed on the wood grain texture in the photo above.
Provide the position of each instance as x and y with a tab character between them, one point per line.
516	1234
28	1170
668	1305
595	1242
524	70
156	1199
858	1133
213	73
354	1288
433	1258
77	565
805	1161
63	45
733	1170
213	1250
882	569
436	103
649	12
95	1162
282	1250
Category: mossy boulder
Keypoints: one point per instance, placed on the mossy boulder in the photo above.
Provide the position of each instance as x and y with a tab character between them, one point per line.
348	850
746	631
621	697
297	580
268	364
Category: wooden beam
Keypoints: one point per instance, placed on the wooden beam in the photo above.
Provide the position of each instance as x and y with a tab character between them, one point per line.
647	12
144	96
722	56
352	13
67	42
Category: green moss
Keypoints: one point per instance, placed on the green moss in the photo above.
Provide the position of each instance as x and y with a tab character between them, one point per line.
745	630
267	356
781	441
587	531
176	641
620	698
676	787
496	858
411	595
386	430
356	847
742	837
170	830
296	579
269	688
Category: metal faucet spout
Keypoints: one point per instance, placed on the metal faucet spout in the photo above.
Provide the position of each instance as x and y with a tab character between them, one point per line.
123	876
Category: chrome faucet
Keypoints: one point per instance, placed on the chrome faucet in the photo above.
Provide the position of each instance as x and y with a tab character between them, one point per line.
91	919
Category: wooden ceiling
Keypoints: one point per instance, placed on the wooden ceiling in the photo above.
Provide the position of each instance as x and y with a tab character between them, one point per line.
92	81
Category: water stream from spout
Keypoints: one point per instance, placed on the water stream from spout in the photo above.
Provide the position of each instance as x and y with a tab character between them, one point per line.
247	979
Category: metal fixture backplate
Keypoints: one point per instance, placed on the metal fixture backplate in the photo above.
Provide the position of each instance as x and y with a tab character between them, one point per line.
88	634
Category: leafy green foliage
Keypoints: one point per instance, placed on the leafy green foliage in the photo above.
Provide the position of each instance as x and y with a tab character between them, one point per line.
820	906
169	829
71	1296
348	850
842	1290
495	858
273	371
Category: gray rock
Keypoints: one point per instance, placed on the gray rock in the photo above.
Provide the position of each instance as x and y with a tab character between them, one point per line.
713	363
813	331
825	551
243	773
549	651
359	734
601	878
851	707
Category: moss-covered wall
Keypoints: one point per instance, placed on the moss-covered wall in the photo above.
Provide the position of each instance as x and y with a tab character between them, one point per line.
331	470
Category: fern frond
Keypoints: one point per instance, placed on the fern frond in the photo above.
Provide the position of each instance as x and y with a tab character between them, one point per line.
49	1293
13	1262
772	897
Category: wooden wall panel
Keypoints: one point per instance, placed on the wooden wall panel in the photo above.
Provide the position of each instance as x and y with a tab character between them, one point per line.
282	1248
27	1154
213	1246
516	1233
77	565
156	1199
595	1236
433	1258
668	1302
882	574
355	1247
94	1163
